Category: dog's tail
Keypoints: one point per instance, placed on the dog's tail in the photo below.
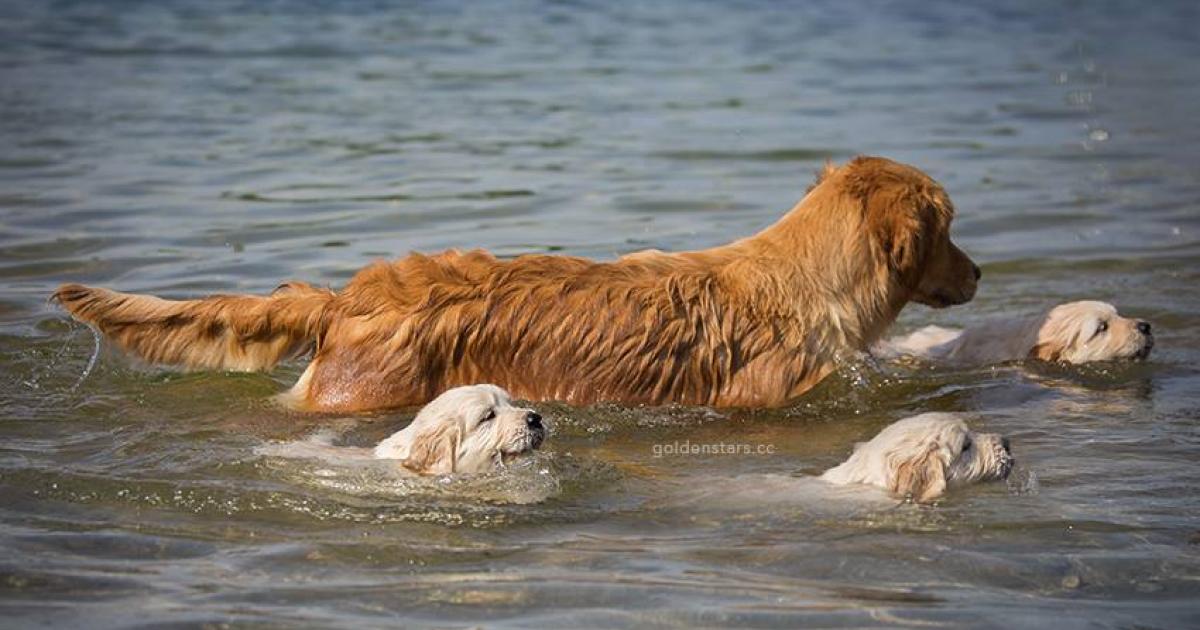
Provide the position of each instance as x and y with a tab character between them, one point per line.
227	332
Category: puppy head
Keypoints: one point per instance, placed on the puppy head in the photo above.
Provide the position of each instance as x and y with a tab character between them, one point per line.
466	429
1079	332
922	456
908	218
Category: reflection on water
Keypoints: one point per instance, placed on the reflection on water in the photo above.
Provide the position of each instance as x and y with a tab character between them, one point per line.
186	147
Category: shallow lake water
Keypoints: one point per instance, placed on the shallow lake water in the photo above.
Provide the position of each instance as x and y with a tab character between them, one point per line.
185	147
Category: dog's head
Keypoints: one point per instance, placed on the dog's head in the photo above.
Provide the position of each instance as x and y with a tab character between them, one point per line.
922	456
907	218
1079	332
467	429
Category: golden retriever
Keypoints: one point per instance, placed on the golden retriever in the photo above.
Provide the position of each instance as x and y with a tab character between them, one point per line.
474	428
753	323
917	459
920	457
1075	332
469	429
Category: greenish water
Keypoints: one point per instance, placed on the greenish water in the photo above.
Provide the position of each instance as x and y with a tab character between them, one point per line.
180	148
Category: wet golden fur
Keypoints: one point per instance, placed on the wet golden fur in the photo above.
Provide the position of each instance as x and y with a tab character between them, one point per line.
755	322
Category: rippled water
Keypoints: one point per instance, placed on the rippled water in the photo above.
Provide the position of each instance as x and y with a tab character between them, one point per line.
182	147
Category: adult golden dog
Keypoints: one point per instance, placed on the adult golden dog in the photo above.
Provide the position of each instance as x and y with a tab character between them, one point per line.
754	323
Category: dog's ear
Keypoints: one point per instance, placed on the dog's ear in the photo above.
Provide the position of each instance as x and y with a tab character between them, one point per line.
1046	351
923	478
1055	338
905	221
435	451
905	214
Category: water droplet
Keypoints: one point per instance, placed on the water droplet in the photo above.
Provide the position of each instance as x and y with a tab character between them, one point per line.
1079	98
1098	135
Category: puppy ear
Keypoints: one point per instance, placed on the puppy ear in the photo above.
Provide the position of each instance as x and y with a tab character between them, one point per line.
1060	331
435	451
1046	351
922	477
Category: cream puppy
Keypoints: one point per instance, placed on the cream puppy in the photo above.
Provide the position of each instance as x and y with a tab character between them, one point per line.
469	429
1076	332
923	456
918	458
474	428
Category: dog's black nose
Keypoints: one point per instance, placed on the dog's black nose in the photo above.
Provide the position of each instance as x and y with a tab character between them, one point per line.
1007	446
1144	328
978	271
533	419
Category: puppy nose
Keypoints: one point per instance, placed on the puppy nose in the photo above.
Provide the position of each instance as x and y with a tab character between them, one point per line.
1007	446
533	419
978	271
1144	328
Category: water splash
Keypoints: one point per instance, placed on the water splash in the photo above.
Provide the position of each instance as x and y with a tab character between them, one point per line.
861	369
91	364
35	380
1022	481
43	368
356	473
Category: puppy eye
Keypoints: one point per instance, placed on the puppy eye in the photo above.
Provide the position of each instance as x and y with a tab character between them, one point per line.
490	415
1100	328
966	444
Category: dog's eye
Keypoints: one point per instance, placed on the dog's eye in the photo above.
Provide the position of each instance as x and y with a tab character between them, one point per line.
489	416
966	444
1101	327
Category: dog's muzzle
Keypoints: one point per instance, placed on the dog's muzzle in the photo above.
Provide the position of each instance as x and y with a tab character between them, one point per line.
1147	345
537	430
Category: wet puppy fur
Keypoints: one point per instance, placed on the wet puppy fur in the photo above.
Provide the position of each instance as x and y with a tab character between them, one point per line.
918	459
474	428
921	457
470	429
1075	332
752	323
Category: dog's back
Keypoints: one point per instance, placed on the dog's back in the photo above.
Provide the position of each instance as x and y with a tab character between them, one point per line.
987	342
553	327
930	342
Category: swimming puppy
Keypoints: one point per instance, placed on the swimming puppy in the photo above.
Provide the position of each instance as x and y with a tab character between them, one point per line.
1076	332
916	459
751	323
923	456
474	428
470	429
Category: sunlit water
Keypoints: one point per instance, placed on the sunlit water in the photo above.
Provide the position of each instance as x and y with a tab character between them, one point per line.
186	147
